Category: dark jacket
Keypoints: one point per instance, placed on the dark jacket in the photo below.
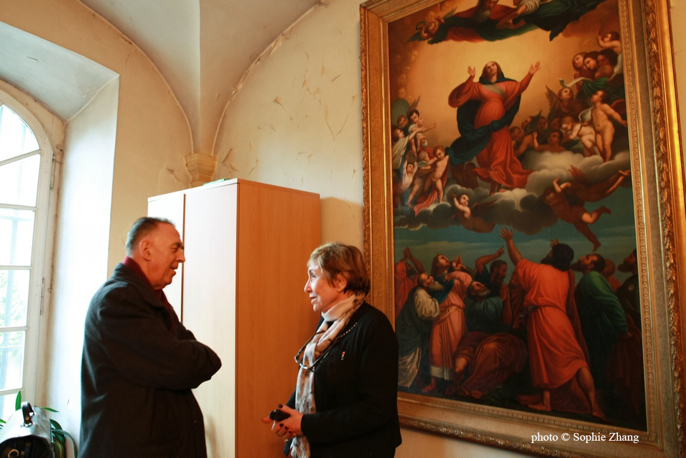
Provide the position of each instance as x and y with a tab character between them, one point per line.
355	390
137	375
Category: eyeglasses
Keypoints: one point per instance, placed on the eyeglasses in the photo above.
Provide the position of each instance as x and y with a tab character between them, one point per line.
299	358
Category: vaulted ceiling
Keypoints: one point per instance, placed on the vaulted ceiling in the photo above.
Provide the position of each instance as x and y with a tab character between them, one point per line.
202	47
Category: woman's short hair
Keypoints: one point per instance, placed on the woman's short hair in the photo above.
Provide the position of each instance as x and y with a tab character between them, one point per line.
347	260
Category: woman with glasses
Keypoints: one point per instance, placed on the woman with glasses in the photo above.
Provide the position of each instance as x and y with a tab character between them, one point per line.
344	403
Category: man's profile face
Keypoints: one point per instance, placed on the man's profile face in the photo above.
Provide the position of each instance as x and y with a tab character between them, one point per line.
498	275
166	253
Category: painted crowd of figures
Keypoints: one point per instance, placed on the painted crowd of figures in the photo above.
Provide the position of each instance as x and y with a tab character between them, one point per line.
544	340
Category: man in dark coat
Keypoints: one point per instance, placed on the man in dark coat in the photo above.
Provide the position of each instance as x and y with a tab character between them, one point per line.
139	362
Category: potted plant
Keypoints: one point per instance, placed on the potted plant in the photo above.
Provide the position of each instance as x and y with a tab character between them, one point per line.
59	435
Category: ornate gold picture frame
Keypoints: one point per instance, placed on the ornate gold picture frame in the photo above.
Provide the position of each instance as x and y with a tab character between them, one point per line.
402	43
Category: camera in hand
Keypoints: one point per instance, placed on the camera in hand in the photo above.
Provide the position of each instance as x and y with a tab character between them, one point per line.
278	415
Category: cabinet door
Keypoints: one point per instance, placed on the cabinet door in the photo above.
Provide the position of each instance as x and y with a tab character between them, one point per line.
172	207
210	306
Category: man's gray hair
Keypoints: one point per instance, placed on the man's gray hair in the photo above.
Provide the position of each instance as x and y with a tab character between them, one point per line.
142	227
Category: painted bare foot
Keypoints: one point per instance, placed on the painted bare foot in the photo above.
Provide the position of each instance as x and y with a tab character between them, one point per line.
596	246
597	413
604	209
430	387
540	406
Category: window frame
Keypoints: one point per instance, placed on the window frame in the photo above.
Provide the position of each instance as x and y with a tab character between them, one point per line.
40	244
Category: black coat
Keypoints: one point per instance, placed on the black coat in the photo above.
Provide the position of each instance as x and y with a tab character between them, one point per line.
355	391
137	375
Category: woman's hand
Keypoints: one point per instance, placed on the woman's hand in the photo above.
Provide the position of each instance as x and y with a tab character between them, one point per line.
288	428
471	71
534	68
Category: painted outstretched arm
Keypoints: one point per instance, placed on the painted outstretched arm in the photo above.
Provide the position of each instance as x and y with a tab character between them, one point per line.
512	250
483	260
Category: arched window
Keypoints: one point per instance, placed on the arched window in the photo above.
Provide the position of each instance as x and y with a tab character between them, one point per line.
25	173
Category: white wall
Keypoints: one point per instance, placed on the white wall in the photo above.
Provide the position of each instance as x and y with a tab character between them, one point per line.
81	248
296	122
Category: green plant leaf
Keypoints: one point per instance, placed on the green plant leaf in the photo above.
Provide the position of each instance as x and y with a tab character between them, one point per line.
50	409
59	450
73	442
55	424
17	401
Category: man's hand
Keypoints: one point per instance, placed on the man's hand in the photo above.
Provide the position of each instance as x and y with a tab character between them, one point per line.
504	292
506	233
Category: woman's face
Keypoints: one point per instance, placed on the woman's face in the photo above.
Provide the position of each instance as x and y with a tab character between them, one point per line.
602	60
578	61
323	295
491	69
590	63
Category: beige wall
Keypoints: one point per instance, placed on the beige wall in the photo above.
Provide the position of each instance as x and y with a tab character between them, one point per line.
296	121
81	248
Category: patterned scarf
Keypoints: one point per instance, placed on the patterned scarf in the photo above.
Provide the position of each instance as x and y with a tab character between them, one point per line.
335	320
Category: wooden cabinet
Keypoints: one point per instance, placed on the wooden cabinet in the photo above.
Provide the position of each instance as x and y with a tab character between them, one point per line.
241	292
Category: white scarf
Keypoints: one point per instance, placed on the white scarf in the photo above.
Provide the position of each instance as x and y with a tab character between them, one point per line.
339	314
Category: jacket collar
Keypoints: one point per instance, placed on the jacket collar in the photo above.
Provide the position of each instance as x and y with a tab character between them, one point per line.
124	272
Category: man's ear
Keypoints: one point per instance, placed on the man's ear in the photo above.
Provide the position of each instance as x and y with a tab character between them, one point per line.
144	248
339	282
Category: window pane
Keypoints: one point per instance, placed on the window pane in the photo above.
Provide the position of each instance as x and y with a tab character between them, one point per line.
16	236
15	136
11	359
19	181
7	404
14	296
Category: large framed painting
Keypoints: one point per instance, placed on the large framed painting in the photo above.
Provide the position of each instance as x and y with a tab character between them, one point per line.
524	220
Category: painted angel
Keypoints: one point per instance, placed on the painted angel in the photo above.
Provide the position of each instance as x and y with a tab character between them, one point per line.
587	192
471	218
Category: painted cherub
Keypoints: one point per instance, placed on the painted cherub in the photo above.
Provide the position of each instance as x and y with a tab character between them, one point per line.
469	217
435	179
554	144
576	215
582	131
430	178
602	115
610	40
587	192
406	179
